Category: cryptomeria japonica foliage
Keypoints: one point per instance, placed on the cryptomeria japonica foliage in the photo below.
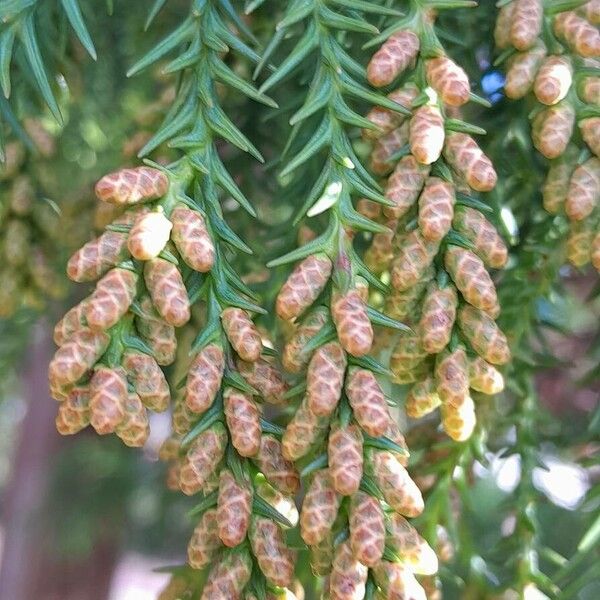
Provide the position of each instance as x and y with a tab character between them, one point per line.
333	250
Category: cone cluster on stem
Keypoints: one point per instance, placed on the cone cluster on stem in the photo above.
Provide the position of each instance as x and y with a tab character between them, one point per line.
433	240
342	432
560	71
343	419
107	371
441	245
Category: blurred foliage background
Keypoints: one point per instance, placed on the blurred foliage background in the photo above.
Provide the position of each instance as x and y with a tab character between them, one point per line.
520	502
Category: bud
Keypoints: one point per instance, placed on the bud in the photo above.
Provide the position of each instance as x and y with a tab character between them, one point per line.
72	321
484	335
437	318
552	129
111	299
584	190
148	380
591	11
305	235
74	412
242	333
590	132
319	509
459	421
264	377
202	458
354	328
467	158
522	71
386	147
397	54
204	542
182	418
243	420
444	546
191	238
158	334
393	433
379	254
414	257
422	399
526	23
406	358
108	395
503	26
105	214
16	245
98	256
348	577
387	120
553	80
325	378
302	432
396	485
234	507
59	392
367	528
169	295
204	378
485	378
471	278
426	134
345	452
76	356
580	35
369	208
556	185
579	243
448	80
229	576
9	293
41	137
295	358
411	548
402	305
303	286
321	556
132	186
149	235
14	156
589	90
397	582
169	449
436	208
21	196
134	429
489	246
367	401
275	560
172	477
452	376
284	504
43	276
595	251
279	472
404	186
